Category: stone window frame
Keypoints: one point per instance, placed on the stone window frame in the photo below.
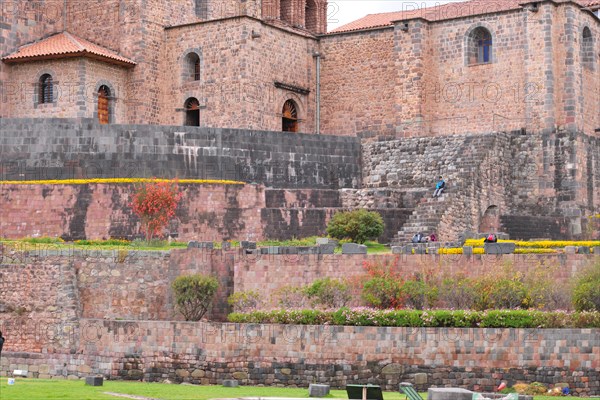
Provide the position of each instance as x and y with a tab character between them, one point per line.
315	10
201	8
112	99
185	110
468	44
37	92
187	68
588	55
299	109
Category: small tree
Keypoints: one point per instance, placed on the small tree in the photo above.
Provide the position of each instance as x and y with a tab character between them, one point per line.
586	296
328	292
357	225
194	295
155	203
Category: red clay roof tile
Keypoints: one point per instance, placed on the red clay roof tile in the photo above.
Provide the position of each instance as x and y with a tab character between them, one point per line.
441	12
65	45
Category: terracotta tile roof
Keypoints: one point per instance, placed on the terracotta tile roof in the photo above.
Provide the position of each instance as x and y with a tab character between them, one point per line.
64	45
442	12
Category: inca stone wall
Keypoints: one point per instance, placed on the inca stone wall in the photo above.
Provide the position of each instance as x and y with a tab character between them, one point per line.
66	148
74	314
550	179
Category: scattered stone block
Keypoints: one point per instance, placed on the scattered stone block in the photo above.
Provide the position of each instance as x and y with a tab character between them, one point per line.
20	372
570	249
308	250
421	249
408	249
499	248
449	394
327	248
288	250
420	379
354	248
397	250
273	250
231	383
468	250
318	390
248	245
225	246
200	245
94	381
596	250
583	250
327	241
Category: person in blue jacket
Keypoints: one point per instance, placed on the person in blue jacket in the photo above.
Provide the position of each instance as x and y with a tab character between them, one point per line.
439	187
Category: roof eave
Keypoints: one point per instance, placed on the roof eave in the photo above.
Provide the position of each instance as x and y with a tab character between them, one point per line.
86	54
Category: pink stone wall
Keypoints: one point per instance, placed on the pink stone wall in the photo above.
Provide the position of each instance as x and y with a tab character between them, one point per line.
102	211
358	80
236	86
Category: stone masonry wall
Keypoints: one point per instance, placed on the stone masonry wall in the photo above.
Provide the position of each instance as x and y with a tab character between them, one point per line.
549	178
72	315
54	149
249	84
208	353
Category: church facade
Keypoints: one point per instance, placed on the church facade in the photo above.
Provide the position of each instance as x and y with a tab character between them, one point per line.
270	65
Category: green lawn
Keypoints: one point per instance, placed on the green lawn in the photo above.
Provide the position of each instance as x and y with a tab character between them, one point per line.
48	244
43	389
34	389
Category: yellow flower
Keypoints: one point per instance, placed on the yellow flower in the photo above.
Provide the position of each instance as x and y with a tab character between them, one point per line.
120	180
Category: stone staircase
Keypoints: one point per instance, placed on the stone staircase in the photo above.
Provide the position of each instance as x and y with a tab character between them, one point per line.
425	218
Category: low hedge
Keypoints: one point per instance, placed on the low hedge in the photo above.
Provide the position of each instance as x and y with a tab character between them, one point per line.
429	318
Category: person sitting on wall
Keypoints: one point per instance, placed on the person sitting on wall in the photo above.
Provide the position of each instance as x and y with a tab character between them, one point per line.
491	238
439	187
417	238
432	237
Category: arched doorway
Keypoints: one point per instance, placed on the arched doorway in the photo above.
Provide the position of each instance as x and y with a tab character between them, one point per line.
192	112
490	221
289	120
103	104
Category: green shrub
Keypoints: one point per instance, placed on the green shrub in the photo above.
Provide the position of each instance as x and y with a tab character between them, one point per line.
430	318
586	295
249	300
382	292
194	295
458	293
418	294
290	297
328	292
358	225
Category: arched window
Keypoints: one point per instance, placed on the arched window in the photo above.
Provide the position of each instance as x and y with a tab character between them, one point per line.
201	9
46	89
479	46
587	48
285	11
311	16
104	104
192	112
289	119
192	66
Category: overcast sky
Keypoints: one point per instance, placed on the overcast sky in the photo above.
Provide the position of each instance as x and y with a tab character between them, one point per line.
341	12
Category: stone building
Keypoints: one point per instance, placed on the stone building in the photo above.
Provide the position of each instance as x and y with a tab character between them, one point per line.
502	98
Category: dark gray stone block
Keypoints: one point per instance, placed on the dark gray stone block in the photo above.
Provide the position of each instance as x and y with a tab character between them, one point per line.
583	250
327	249
248	245
94	381
318	390
354	248
468	250
192	244
499	248
226	246
231	383
397	250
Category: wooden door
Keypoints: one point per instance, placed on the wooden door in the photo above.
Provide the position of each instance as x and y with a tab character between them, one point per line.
103	113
